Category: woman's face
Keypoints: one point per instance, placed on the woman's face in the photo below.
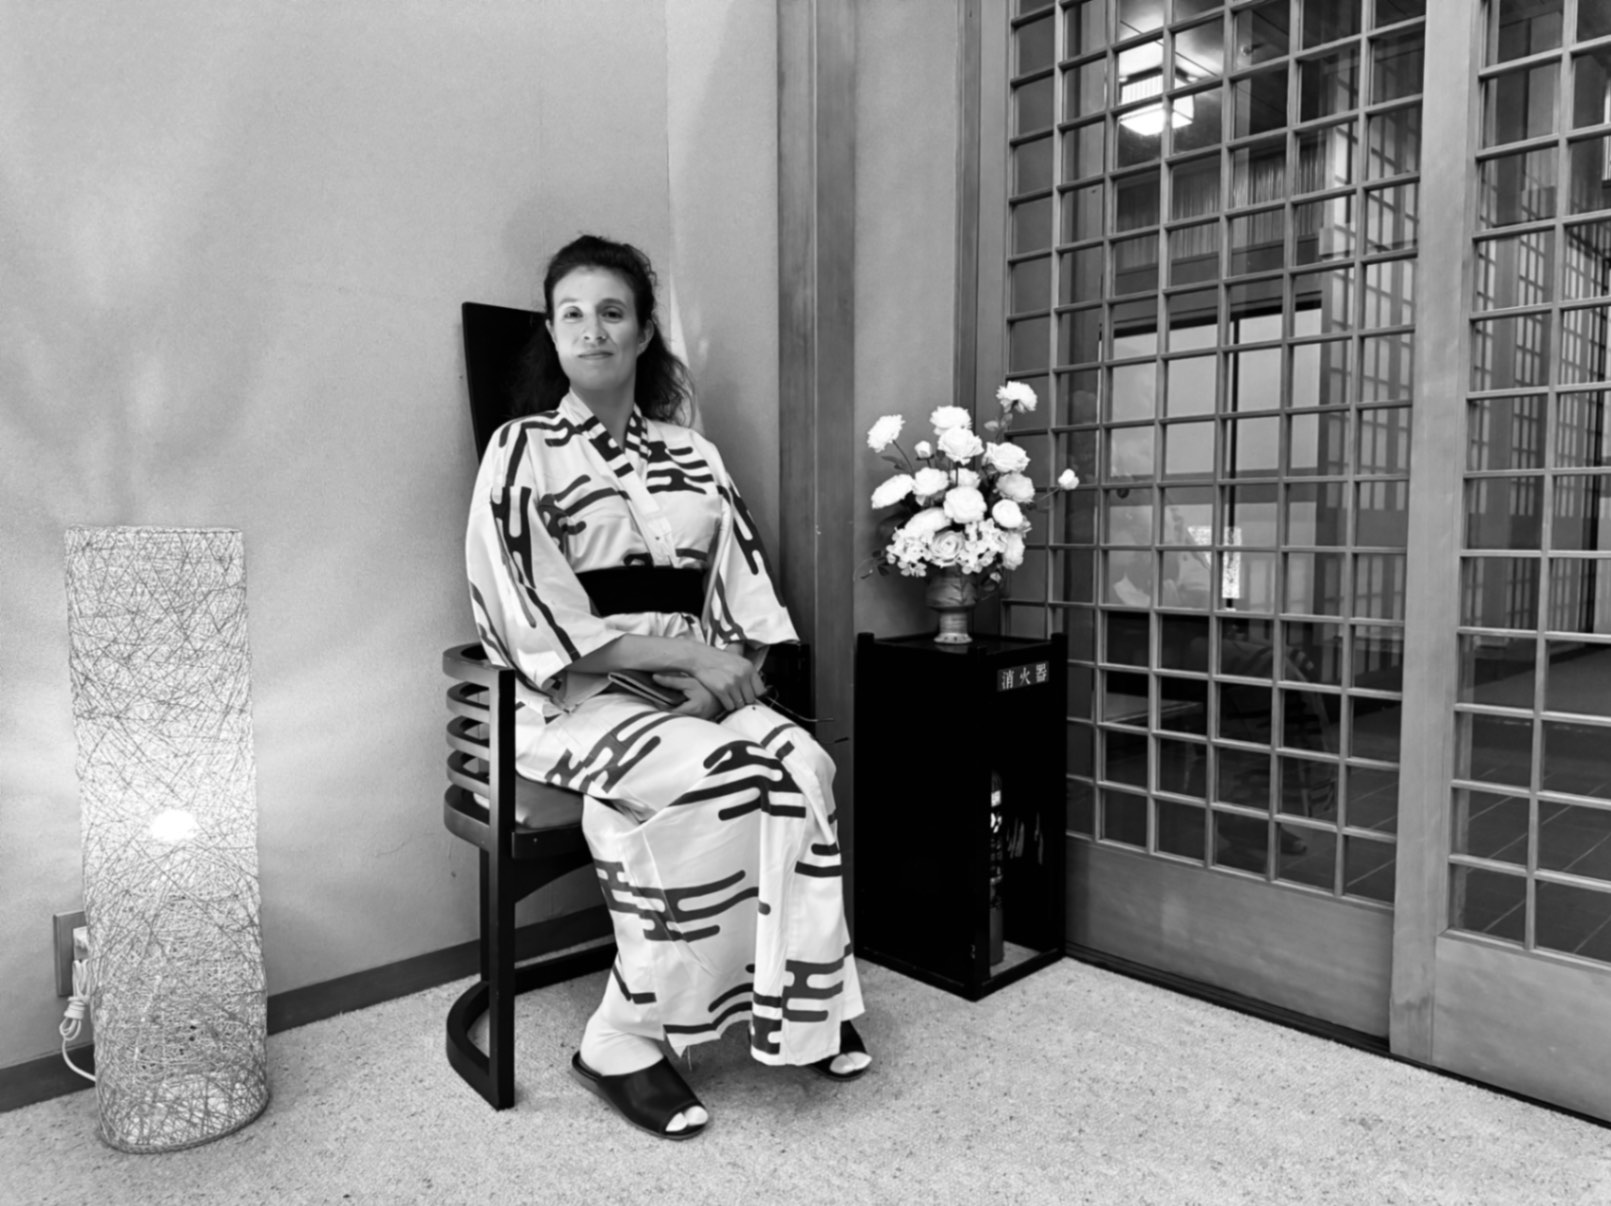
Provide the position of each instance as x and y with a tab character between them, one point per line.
595	328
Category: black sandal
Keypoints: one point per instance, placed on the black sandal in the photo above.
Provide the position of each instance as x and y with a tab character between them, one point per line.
648	1098
849	1044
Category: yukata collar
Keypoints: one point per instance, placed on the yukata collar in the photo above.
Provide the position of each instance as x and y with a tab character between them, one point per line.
637	430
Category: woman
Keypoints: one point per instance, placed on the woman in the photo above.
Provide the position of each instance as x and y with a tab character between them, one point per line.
604	538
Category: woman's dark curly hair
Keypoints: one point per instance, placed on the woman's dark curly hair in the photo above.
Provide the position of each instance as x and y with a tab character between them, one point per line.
663	390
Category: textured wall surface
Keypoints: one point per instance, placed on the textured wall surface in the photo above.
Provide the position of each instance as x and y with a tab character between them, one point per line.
238	232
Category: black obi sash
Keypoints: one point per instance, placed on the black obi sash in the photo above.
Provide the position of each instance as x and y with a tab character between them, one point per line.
635	588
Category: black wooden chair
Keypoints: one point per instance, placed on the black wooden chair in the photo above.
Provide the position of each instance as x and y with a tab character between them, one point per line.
528	834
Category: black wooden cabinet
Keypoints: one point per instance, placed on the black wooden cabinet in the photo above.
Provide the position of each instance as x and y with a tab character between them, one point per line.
938	727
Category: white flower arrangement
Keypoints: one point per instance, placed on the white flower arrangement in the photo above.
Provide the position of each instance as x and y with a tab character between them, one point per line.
962	502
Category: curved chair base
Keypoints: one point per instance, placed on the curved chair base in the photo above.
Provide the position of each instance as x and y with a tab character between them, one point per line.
495	1079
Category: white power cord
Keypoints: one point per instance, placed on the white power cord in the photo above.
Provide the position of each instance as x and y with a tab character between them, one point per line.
73	1019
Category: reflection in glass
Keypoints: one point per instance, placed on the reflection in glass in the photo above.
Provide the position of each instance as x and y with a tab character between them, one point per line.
1258	241
1368	868
1517	28
1315	583
1390	11
1379	586
1574	839
1328	84
1397	66
1081	800
1314	653
1317	443
1194	254
1083	151
1392	221
1085	27
1132	390
1031	284
1593	21
1029	343
1505	433
1135	201
1254	379
1085	89
1394	143
1031	226
1510	352
1327	20
1321	374
1587	271
1581	511
1203	129
1191	385
1129	454
1262	33
1383	520
1387	368
1316	515
1127	516
1583	345
1323	230
1520	104
1494	749
1184	647
1079	336
1189	449
1306	855
1309	719
1033	45
1519	187
1032	106
1241	842
1193	319
1498	670
1252	447
1082	217
1384	440
1489	825
1081	749
1077	395
1577	604
1200	50
1080	273
1180	830
1378	657
1488	902
1259	173
1372	798
1389	294
1573	920
1591	87
1194	188
1124	758
1573	759
1135	265
1249	516
1032	165
1499	592
1308	788
1124	818
1259	103
1183	705
1323	302
1326	157
1247	581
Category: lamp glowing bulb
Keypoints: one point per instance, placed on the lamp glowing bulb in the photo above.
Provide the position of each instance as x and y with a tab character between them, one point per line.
174	825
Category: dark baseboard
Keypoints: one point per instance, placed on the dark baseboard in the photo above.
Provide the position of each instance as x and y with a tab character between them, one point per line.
40	1079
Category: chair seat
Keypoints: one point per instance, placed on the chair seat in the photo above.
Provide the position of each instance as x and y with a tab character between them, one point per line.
541	806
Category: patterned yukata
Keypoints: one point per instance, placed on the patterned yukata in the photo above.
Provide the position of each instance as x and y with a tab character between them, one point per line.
714	841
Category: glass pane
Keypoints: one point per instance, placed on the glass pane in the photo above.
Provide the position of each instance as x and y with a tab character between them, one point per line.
1316	515
1241	842
1387	371
1127	516
1194	188
1372	799
1124	758
1084	27
1504	513
1379	583
1029	344
1328	84
1132	389
1083	151
1135	265
1582	439
1326	157
1505	433
1032	165
1517	28
1259	173
1488	902
1031	226
1081	808
1252	447
1080	275
1520	104
1315	583
1577	595
1327	20
1384	440
1135	327
1519	187
1032	106
1124	818
1031	284
1077	395
1259	103
1199	51
1085	89
1389	11
1368	869
1510	352
1573	760
1079	336
1247	582
1245	650
1491	826
1573	920
1583	345
1593	20
1398	62
1033	46
1258	241
1518	270
1306	855
1181	830
1383	520
1323	230
1189	449
1314	654
1254	379
1262	34
1378	658
1588	260
1395	143
1495	749
1391	218
1574	839
1194	253
1581	509
1591	88
1320	374
1193	319
1498	670
1129	454
1499	592
1135	201
1083	216
1196	119
1590	180
1317	444
1191	385
1323	302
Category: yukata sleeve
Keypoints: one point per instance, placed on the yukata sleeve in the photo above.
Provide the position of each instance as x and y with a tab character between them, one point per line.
742	604
530	610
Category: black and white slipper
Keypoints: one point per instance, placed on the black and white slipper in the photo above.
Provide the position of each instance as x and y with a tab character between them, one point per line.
648	1098
849	1044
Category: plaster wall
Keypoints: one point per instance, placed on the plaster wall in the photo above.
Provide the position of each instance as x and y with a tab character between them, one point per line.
238	232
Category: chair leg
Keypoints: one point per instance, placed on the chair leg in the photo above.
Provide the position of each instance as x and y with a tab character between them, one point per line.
498	952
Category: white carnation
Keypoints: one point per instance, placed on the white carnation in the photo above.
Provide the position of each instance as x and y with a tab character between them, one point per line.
1006	458
925	523
1007	515
892	491
929	483
960	444
1067	479
967	477
1016	487
884	432
1016	396
964	504
1012	556
948	418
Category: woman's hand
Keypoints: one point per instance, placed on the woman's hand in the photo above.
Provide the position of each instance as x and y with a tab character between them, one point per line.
700	702
730	677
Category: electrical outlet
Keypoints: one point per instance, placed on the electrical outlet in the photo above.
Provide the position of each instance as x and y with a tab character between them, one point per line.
65	930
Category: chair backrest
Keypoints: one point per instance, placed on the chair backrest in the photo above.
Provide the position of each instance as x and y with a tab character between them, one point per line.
495	338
